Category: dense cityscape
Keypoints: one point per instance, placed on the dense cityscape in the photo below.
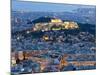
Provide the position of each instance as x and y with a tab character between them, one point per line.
52	43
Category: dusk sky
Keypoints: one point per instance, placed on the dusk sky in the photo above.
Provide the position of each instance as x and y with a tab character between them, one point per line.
37	6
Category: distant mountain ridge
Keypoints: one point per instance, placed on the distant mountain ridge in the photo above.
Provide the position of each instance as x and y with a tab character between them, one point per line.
83	15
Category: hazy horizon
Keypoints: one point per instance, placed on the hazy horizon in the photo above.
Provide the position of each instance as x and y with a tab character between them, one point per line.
44	6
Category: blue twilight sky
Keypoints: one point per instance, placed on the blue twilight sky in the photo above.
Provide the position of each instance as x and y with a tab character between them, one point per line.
48	7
